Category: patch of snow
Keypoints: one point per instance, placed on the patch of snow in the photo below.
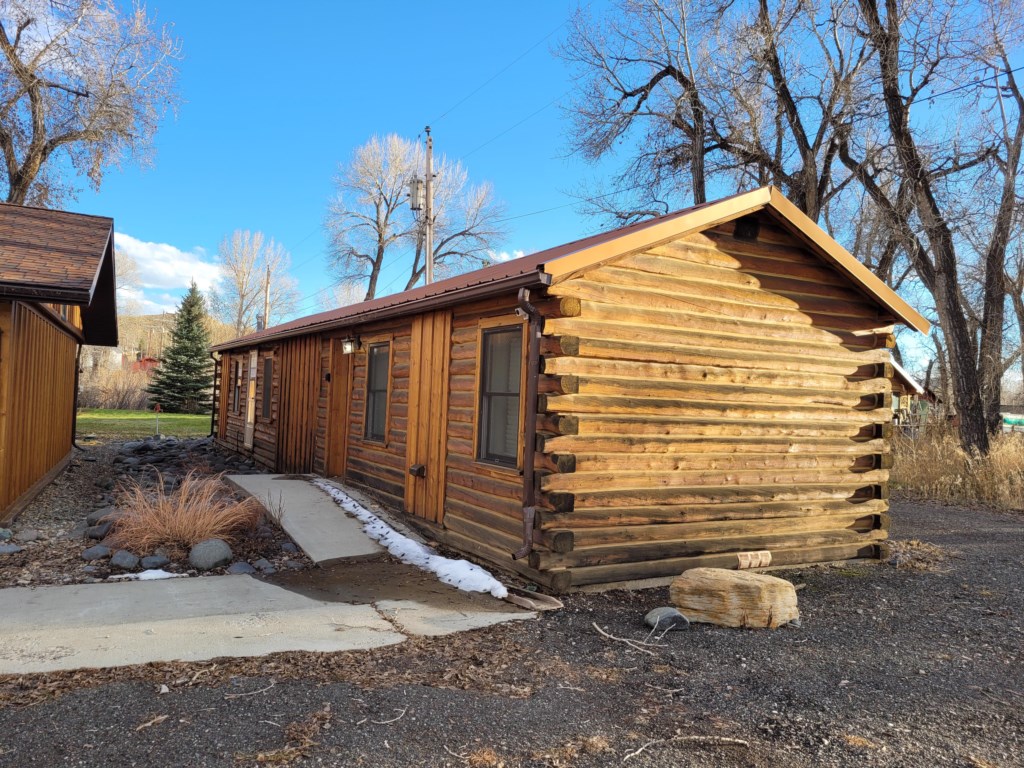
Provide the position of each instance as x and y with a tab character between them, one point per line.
460	574
150	575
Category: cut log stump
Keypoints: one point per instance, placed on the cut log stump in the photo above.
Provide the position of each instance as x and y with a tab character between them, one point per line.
734	598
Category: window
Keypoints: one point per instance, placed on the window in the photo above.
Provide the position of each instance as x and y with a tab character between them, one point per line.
377	369
500	375
236	393
268	385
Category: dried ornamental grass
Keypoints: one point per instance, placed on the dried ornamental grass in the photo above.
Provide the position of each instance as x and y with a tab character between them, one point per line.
199	508
934	466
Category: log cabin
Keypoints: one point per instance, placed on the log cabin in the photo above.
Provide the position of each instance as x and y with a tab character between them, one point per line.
707	388
57	292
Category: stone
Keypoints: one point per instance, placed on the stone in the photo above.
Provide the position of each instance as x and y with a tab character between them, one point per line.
155	561
106	483
78	531
10	549
99	531
27	534
90	569
734	598
666	618
96	553
295	565
290	548
6	534
241	567
94	517
265	566
124	560
209	554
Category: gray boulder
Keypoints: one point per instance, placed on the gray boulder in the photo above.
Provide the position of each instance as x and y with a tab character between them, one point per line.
94	517
265	566
155	561
241	567
9	549
27	534
666	618
209	554
96	553
99	531
290	548
124	560
5	534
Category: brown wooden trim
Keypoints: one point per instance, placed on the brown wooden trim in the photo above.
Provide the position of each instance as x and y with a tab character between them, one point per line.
365	344
489	324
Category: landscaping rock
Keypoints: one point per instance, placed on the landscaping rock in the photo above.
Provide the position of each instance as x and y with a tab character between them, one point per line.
734	598
155	561
290	548
295	565
96	553
5	534
265	566
9	549
209	554
90	569
241	567
666	618
94	517
99	531
27	534
124	560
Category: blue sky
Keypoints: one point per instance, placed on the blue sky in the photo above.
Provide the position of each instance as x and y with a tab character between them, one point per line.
274	98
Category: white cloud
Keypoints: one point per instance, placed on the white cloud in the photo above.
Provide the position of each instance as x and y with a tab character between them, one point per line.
500	256
167	267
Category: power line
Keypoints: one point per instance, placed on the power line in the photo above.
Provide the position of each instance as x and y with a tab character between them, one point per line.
976	82
499	73
516	125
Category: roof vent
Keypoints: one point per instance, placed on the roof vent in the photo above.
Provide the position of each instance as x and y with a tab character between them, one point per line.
747	228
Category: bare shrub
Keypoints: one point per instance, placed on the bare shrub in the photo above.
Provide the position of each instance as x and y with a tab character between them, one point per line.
935	466
200	508
118	389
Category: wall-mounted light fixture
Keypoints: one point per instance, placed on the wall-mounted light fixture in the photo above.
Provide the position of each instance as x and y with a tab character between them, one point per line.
350	345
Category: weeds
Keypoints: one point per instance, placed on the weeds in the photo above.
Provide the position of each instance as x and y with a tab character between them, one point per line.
934	466
199	508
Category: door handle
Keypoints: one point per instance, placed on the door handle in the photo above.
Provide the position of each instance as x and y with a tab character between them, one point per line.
418	470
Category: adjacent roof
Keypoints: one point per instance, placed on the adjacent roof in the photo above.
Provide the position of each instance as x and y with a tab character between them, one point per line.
62	258
563	261
902	375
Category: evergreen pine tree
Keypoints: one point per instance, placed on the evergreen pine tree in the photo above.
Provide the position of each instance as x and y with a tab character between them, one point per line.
184	381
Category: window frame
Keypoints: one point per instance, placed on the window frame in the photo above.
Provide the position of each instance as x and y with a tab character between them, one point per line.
386	342
484	327
236	384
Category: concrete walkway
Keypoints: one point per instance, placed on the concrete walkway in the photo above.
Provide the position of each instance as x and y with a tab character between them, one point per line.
310	517
356	603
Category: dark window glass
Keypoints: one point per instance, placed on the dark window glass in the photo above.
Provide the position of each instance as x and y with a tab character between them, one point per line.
499	395
377	363
236	386
268	385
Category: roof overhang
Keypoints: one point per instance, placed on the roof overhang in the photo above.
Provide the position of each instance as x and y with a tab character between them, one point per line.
99	314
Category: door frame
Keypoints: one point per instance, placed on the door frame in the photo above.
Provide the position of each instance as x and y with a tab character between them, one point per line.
339	410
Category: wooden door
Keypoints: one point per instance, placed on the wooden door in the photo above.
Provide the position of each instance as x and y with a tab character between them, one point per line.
338	414
427	439
250	400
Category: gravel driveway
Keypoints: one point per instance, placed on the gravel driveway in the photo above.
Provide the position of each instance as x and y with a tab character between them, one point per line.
892	667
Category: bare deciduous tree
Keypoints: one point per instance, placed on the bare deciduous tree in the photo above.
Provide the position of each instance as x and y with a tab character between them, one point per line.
245	258
907	113
369	221
82	82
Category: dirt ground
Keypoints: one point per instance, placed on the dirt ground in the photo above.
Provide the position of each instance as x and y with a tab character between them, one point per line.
893	666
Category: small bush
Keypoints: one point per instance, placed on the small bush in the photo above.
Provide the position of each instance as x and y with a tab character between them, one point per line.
934	466
199	508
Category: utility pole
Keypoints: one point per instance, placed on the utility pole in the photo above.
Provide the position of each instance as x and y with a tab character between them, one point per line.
428	213
266	299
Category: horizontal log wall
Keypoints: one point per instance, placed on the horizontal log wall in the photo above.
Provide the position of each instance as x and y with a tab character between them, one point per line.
231	424
706	397
380	466
37	396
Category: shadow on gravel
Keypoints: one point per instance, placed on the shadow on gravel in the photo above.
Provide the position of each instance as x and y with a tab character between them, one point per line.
892	667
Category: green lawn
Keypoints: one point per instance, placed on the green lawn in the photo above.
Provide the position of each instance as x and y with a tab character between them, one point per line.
110	423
